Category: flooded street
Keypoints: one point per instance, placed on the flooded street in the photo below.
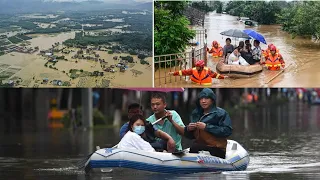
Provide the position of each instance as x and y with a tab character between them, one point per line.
283	143
300	55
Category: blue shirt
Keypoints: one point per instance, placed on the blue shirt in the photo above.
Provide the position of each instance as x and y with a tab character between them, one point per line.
123	129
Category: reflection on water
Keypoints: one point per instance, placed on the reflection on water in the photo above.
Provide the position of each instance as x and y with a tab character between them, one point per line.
283	142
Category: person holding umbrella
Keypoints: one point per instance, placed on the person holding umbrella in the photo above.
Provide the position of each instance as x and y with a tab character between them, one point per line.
200	74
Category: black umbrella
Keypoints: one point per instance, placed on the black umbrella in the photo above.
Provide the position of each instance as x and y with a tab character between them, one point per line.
235	33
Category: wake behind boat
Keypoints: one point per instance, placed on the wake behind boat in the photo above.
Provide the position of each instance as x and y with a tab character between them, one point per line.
237	159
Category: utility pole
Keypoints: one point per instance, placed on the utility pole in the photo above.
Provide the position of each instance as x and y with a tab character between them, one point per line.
86	101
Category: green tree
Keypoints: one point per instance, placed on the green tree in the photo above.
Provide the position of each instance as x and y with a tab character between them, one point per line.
301	19
171	32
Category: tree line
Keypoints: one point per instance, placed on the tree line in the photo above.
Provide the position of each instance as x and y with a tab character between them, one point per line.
299	18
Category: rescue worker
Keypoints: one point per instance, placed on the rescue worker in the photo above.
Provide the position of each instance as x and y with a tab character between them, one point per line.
274	60
216	50
210	126
200	74
267	51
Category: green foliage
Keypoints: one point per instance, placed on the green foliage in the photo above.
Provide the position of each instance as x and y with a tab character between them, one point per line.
141	56
175	7
202	6
301	19
218	6
14	39
110	52
26	25
21	36
127	58
171	33
138	41
60	57
1	53
260	11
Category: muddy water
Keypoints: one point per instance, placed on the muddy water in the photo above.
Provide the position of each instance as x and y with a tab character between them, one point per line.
31	69
283	143
301	56
45	41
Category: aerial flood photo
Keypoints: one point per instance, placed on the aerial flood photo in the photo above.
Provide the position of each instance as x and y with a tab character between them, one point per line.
75	43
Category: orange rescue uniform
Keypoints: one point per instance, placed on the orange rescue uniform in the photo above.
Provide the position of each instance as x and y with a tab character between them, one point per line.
203	77
274	62
216	52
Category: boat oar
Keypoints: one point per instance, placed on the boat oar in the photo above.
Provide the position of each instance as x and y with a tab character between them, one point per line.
81	164
281	71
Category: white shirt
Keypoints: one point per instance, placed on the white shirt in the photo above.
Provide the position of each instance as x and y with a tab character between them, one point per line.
133	141
232	59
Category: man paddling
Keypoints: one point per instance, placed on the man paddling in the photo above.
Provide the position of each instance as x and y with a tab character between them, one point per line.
210	126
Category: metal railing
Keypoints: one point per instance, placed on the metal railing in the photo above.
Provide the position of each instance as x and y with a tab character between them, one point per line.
174	62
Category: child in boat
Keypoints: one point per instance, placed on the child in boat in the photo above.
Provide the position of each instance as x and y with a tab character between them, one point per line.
136	136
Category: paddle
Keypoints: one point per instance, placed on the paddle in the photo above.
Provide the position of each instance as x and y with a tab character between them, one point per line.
81	163
281	71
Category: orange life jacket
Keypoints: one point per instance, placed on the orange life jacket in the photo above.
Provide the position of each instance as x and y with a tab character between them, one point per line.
273	62
217	52
203	78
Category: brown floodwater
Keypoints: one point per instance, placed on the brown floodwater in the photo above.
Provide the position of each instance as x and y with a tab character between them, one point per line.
31	70
300	54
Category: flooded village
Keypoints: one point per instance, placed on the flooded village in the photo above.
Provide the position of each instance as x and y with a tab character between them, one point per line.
77	51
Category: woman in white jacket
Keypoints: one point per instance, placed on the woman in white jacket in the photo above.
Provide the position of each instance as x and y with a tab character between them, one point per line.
133	138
